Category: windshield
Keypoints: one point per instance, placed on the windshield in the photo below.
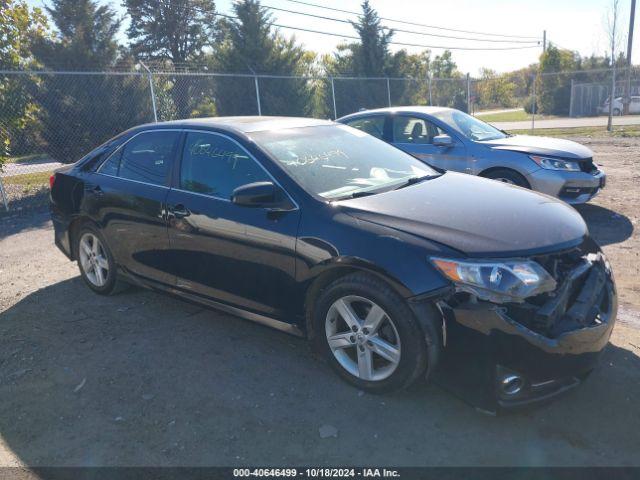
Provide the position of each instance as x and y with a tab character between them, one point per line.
469	126
336	161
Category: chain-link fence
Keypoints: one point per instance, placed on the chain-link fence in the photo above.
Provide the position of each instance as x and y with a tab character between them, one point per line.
48	118
591	93
51	118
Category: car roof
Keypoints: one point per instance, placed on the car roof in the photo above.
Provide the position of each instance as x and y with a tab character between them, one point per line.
245	124
410	109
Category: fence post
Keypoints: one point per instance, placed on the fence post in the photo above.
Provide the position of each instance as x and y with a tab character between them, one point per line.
429	86
255	79
612	97
534	101
571	99
153	94
4	196
468	94
388	92
333	96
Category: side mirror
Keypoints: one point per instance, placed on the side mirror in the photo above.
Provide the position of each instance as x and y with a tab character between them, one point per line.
442	141
257	194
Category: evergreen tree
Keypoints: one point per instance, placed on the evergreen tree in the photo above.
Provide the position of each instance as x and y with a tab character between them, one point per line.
369	57
78	112
177	31
251	46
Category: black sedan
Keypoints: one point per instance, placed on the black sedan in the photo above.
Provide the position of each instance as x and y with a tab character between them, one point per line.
395	271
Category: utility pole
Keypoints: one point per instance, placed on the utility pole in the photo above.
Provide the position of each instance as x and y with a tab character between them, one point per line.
469	94
627	93
333	96
544	40
153	93
613	26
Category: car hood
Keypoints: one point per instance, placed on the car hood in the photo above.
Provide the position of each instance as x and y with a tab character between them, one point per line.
476	216
555	147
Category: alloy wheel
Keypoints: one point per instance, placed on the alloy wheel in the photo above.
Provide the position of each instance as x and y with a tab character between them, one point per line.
93	260
363	338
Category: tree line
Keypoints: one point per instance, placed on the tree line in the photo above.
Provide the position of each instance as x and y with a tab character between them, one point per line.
67	115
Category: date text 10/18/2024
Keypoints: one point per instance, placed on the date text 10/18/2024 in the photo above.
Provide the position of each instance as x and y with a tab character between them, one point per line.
316	472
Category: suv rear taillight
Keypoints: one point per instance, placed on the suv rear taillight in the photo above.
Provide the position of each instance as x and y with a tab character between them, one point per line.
52	180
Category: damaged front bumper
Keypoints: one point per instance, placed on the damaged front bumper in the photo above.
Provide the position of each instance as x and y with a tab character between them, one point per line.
505	356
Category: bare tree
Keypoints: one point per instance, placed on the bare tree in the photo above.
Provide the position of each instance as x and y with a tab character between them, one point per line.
614	36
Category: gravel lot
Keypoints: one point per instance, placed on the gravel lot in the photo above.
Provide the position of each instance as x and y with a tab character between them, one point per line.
146	379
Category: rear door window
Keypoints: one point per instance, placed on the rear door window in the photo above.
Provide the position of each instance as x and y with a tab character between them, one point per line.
146	158
373	125
414	130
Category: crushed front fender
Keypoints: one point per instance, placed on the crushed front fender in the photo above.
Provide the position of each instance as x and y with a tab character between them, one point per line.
497	360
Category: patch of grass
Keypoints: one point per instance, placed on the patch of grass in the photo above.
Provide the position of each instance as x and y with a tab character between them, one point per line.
28	180
28	158
626	131
517	116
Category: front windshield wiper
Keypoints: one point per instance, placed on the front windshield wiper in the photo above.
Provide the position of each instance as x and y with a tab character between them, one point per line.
366	193
414	180
362	193
358	194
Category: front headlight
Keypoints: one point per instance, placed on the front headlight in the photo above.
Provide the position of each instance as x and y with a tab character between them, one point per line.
497	281
555	164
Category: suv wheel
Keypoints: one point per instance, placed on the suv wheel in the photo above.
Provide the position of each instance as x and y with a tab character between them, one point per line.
369	335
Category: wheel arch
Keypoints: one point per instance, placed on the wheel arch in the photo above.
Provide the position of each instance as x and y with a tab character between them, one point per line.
74	228
487	171
427	313
332	272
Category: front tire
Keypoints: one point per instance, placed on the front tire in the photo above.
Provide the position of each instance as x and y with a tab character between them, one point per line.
95	261
369	335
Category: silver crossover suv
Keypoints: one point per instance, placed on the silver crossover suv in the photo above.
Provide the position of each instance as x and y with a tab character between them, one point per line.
452	140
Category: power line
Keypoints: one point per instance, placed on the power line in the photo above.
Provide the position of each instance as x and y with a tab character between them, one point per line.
309	4
352	37
405	44
333	19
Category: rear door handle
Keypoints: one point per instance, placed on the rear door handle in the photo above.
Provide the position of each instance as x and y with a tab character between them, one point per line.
178	211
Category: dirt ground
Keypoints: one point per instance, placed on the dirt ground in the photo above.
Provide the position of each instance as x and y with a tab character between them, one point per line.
614	215
145	379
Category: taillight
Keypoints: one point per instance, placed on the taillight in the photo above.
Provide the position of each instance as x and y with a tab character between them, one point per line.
52	180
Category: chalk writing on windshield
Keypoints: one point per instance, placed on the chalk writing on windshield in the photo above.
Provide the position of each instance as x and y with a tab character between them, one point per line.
311	158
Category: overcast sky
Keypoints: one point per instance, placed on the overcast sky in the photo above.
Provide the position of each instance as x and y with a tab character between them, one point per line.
574	24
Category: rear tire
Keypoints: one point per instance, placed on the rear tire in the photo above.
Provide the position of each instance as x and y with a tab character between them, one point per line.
617	112
97	266
509	176
370	336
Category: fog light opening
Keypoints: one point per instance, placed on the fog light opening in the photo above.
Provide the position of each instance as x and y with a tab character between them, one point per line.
512	384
